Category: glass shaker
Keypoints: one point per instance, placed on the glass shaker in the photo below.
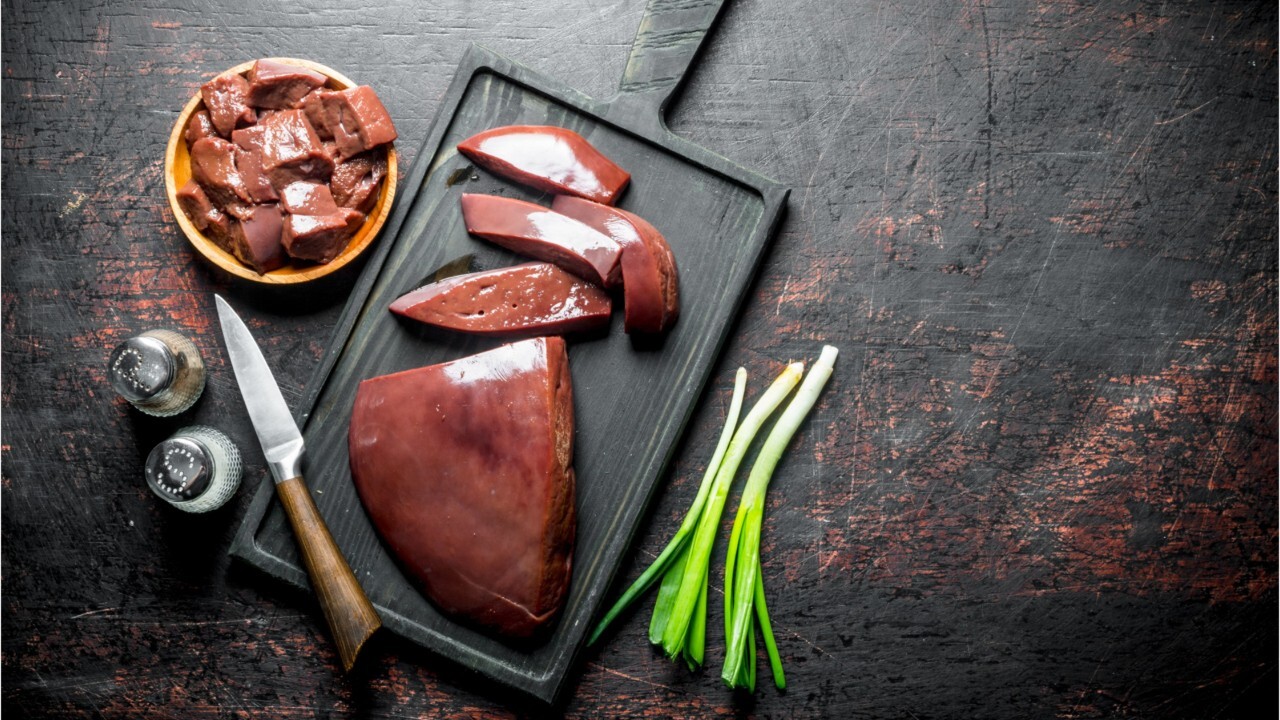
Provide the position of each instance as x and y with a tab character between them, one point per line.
196	470
160	372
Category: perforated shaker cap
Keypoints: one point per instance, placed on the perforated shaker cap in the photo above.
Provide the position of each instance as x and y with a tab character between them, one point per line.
141	368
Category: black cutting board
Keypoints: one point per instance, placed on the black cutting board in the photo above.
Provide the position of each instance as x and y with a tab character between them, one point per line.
632	401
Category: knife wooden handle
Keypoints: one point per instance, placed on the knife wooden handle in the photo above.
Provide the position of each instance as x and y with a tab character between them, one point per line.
351	616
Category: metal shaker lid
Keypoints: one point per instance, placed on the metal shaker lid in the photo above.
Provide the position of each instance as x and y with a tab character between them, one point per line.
180	469
141	368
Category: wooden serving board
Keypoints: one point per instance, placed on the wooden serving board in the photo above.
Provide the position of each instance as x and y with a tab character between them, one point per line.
632	401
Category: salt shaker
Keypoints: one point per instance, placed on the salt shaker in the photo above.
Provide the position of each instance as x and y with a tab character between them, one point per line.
197	469
160	372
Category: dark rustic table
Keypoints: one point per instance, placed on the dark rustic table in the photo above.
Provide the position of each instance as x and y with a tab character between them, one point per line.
1042	482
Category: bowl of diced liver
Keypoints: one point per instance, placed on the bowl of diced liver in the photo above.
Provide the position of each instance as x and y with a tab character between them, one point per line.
281	171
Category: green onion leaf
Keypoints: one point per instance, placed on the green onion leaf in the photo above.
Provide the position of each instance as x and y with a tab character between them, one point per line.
744	587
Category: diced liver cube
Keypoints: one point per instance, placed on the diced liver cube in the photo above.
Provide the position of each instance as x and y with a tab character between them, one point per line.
279	86
255	240
357	119
320	237
292	151
357	180
308	198
227	100
199	127
213	165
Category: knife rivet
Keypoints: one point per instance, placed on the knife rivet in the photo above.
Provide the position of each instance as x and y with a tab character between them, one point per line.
160	372
197	469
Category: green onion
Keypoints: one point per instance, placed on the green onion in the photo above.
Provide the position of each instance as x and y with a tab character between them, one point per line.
673	554
679	615
690	595
743	583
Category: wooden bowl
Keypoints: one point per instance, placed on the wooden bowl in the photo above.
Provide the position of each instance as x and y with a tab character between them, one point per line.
177	171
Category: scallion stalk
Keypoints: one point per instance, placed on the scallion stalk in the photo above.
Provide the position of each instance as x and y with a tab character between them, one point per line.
743	584
693	578
673	554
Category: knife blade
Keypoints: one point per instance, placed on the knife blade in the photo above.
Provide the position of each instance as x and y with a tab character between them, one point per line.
350	616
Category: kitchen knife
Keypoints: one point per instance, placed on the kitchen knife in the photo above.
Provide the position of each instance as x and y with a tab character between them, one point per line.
350	615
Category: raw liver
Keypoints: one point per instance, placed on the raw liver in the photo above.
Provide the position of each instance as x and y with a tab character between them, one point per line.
213	165
551	159
543	234
255	239
291	150
198	127
280	86
357	180
529	299
227	100
320	238
466	470
355	118
650	284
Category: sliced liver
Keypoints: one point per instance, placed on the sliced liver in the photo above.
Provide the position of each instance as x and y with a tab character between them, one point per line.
548	158
466	470
523	300
543	234
650	284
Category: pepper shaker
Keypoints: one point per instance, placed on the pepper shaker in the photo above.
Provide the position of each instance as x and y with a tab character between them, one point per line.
160	372
197	469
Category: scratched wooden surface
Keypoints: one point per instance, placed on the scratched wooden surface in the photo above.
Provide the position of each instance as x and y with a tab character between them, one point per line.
1042	482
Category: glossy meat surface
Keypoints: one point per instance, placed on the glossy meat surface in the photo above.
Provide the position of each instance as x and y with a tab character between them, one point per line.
529	299
650	284
320	237
548	158
291	150
227	100
279	85
355	118
465	469
543	234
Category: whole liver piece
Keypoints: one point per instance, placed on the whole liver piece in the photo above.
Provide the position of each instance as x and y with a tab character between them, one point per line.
465	469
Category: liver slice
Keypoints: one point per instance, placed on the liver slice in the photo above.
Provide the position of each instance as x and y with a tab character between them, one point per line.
650	284
529	299
543	234
548	158
465	469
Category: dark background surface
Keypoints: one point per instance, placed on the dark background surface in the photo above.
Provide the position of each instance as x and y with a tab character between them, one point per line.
1042	482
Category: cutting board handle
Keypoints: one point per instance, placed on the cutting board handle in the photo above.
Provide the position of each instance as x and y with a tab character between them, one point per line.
670	35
